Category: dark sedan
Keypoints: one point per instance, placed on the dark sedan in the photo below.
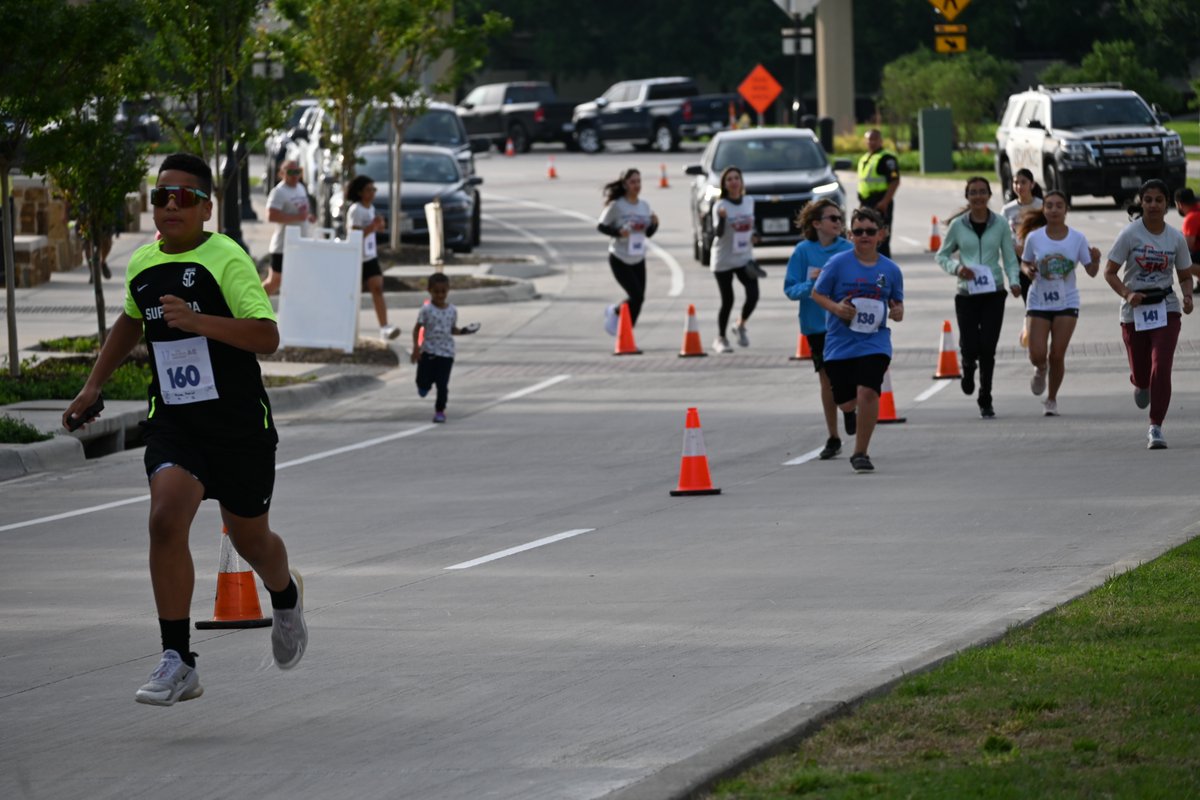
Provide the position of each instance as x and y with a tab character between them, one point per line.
784	169
426	173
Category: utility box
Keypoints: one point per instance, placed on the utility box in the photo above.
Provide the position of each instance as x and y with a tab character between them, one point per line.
936	127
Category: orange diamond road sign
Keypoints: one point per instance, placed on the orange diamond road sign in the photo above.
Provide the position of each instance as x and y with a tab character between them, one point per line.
950	8
760	89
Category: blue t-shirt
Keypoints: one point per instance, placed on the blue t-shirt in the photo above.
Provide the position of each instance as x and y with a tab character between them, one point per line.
845	276
802	269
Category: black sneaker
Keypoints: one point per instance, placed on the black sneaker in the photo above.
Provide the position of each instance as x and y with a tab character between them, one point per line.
850	420
832	448
986	411
861	463
968	378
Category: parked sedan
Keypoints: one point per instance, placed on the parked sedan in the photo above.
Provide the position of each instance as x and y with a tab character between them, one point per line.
426	172
784	169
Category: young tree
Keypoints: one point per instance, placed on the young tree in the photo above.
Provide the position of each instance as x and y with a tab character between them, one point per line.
1122	62
362	52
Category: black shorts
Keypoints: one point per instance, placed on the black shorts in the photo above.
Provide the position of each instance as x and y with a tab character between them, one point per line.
370	269
277	262
846	375
816	343
241	477
1050	315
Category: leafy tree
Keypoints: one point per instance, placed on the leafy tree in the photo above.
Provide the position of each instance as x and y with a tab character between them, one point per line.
1119	61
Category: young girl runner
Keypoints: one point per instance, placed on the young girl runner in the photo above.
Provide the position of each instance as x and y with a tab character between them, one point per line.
732	253
1151	253
362	217
630	222
435	356
1049	258
1028	198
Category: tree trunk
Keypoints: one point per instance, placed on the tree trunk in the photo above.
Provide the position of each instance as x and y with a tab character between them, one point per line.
97	239
396	213
10	274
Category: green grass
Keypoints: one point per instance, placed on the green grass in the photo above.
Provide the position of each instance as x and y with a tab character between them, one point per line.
15	431
1189	129
1099	698
71	344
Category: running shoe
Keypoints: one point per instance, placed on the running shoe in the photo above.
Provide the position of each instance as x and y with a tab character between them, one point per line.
986	411
172	681
388	332
721	345
1023	339
105	271
611	318
1154	438
439	416
861	463
289	633
832	448
422	392
850	422
743	336
1050	408
968	377
1037	384
1141	397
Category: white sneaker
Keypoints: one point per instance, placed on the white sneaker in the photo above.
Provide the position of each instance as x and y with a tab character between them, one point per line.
743	338
721	345
1154	438
388	332
172	681
289	634
1050	408
611	318
1037	384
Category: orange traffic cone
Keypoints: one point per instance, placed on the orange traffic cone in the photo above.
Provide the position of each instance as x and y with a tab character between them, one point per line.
693	466
421	332
947	366
935	238
662	182
691	336
803	350
509	150
551	172
237	597
887	402
626	346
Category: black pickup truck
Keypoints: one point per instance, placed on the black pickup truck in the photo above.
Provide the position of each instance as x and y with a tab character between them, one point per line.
525	112
655	112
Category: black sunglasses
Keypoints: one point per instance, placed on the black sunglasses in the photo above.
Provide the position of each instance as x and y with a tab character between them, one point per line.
295	172
184	196
865	231
832	218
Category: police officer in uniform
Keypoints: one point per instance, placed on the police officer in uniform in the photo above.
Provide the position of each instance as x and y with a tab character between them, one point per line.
878	180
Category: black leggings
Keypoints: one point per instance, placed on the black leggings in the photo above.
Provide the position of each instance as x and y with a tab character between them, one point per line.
632	278
725	284
435	371
979	319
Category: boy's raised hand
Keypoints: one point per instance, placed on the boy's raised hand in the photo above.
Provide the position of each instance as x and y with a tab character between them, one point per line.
177	313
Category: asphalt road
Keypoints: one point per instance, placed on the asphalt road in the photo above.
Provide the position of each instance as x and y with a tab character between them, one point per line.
646	639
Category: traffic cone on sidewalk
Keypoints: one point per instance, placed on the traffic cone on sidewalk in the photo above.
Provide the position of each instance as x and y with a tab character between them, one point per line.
509	150
237	596
947	366
625	346
663	183
551	172
887	402
692	348
693	466
935	238
803	350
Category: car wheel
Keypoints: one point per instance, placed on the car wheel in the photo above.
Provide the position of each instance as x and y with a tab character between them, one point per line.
1054	182
696	246
1122	200
664	141
476	216
520	137
589	139
1006	180
706	241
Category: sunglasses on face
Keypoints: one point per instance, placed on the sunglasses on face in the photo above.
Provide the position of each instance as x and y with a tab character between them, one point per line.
294	172
865	231
831	218
184	196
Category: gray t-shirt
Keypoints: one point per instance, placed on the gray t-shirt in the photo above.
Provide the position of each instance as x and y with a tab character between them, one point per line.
289	200
1150	261
1014	212
735	247
634	217
439	329
360	216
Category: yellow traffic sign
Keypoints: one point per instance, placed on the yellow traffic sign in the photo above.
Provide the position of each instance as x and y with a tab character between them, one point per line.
962	29
950	8
950	44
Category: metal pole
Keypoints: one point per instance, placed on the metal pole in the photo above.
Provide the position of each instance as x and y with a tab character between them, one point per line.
797	103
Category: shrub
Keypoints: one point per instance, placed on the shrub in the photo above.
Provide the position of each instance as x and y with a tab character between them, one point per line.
16	431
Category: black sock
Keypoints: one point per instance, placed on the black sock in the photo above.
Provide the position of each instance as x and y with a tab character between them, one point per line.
176	635
285	599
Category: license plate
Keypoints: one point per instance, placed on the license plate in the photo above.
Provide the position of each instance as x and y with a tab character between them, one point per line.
1130	182
568	127
776	225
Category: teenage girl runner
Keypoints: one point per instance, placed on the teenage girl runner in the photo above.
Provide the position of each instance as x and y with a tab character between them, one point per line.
630	222
361	216
732	252
1028	198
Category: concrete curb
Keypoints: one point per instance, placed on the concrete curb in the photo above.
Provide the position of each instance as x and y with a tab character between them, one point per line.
292	398
61	452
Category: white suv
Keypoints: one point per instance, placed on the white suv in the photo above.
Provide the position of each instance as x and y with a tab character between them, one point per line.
1096	139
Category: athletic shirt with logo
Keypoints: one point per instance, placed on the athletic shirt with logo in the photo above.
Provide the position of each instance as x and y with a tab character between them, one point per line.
202	386
621	213
870	288
1150	261
1054	288
289	200
735	248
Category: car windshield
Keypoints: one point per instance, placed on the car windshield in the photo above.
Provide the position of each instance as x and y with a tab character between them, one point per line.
418	167
769	154
435	127
294	114
1100	112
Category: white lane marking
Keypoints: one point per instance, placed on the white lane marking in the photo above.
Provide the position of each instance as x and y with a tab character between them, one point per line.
530	235
537	387
931	391
907	240
809	456
520	548
672	265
